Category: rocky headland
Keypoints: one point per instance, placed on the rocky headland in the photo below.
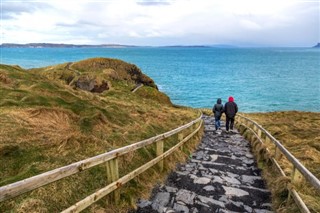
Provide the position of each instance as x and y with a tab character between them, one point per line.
317	45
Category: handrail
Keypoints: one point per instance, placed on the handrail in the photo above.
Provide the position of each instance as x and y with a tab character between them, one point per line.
296	164
23	186
304	171
81	205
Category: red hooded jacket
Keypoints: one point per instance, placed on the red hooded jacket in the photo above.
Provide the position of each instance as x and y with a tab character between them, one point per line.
230	108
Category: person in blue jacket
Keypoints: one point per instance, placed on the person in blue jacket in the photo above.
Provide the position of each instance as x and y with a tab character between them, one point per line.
217	111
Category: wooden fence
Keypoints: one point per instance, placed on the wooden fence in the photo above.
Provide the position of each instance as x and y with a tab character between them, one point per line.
111	159
298	170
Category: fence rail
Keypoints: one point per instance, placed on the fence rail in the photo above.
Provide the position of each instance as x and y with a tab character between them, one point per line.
111	158
297	167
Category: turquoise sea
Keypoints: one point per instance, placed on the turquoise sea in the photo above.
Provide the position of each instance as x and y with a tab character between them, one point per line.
260	79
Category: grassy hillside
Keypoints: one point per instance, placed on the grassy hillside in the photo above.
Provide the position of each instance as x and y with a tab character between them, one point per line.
299	133
56	115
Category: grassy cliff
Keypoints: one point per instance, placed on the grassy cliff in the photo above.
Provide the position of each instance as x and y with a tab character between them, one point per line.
56	115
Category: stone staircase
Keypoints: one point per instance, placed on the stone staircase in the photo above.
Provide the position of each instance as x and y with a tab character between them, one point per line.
221	176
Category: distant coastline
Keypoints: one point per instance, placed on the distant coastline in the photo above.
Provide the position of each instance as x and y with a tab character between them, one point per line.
63	45
54	45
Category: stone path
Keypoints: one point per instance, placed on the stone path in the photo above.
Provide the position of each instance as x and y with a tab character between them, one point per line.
221	176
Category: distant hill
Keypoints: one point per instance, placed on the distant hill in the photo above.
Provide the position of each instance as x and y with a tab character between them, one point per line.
317	46
223	46
46	45
54	45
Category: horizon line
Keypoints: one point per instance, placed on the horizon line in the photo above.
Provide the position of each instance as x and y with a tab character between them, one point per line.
173	45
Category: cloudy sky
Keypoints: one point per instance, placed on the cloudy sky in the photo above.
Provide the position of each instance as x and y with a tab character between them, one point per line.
286	23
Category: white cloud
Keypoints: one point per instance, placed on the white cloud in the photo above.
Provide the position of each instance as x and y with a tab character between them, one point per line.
250	25
163	22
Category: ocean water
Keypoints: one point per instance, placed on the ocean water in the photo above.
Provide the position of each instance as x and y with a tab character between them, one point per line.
260	79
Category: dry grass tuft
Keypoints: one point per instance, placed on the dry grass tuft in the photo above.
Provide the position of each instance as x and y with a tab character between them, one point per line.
4	78
52	125
314	204
32	206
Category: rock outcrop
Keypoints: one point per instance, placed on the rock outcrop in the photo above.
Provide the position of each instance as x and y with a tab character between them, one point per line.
113	69
97	74
91	85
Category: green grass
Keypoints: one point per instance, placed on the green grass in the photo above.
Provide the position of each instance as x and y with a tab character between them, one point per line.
19	163
47	122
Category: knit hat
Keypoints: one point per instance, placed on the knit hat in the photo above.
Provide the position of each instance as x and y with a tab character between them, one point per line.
231	99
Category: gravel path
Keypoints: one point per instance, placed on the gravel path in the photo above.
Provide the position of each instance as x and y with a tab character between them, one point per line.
221	176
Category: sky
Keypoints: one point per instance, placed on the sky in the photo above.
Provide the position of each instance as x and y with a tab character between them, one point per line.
247	23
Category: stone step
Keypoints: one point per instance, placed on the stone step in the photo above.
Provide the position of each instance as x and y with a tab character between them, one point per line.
220	176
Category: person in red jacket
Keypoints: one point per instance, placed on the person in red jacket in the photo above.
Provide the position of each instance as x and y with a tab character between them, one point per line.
230	109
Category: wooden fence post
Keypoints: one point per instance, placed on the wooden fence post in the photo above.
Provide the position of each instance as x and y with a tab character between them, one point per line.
113	175
292	178
180	138
277	153
296	177
242	120
159	151
267	139
194	127
260	133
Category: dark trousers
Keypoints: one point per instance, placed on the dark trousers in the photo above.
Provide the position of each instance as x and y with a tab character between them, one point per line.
229	122
217	122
